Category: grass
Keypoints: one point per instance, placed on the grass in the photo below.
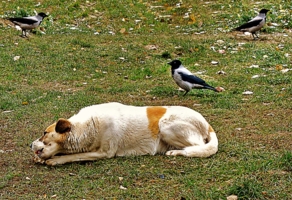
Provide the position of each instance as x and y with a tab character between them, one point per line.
95	52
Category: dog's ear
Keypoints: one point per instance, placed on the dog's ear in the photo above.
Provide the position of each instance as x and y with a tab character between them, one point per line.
63	126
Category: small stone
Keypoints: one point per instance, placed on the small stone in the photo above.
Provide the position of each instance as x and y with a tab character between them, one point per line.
122	187
232	197
247	93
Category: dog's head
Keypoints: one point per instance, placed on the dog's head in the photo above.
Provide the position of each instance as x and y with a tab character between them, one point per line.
52	142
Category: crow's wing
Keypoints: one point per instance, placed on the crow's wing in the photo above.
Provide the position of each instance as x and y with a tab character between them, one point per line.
23	20
192	79
249	24
197	81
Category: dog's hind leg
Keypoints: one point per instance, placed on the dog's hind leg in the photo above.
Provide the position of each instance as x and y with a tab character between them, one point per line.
176	153
198	150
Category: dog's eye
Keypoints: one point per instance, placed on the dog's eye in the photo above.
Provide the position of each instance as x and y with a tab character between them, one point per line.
45	132
47	144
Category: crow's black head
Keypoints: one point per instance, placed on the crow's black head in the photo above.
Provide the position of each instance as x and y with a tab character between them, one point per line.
175	64
43	15
264	11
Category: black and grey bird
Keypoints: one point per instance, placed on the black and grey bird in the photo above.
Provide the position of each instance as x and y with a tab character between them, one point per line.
186	80
255	24
28	23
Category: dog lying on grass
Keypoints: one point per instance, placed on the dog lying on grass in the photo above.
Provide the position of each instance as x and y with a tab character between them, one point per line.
113	129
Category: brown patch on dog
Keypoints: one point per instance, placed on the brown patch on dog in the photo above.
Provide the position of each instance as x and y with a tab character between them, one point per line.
210	129
50	128
63	126
154	114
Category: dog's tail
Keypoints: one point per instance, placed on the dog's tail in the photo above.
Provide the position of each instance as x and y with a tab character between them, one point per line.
206	150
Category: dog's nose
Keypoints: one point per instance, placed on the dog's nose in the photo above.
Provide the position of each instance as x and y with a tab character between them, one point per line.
30	145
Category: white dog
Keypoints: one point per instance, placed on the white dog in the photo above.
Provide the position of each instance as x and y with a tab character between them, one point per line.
113	129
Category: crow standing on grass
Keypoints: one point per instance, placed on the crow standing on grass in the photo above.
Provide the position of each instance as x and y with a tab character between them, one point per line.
186	80
28	23
255	24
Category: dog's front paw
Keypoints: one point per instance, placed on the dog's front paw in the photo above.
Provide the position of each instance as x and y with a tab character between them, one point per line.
56	160
51	162
36	159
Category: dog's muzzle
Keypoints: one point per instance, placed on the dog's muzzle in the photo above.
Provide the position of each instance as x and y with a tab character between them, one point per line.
37	147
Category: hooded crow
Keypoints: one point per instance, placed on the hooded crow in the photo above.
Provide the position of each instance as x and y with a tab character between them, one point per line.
28	23
186	80
255	24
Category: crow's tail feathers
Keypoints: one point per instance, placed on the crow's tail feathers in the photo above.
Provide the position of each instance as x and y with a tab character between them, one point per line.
216	89
210	88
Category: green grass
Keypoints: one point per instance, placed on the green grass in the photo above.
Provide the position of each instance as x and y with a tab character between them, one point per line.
96	52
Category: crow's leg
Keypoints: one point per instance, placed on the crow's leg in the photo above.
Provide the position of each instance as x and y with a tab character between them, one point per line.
254	34
185	93
23	33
